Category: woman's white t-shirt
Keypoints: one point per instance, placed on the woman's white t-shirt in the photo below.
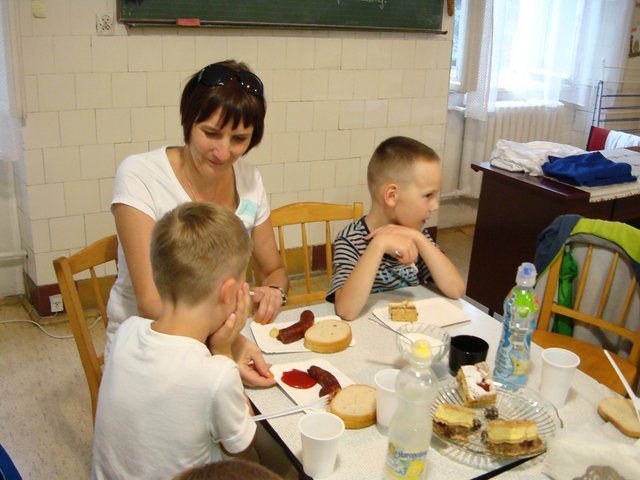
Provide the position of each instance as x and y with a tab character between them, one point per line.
147	182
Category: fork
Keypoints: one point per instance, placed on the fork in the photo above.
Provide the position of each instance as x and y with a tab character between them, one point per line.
318	404
632	396
375	319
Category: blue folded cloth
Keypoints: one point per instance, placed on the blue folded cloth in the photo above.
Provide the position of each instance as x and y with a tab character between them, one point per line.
589	169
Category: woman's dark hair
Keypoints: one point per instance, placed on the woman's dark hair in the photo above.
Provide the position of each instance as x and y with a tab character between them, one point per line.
199	101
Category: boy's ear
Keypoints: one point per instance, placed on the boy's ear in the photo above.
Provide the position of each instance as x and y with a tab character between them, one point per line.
227	293
390	194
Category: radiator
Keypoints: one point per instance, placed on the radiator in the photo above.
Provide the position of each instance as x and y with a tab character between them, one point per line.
520	122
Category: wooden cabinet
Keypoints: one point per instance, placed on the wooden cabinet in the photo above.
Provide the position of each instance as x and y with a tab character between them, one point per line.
513	209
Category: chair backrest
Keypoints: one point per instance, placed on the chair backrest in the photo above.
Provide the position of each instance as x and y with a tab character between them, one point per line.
98	253
606	296
597	138
306	213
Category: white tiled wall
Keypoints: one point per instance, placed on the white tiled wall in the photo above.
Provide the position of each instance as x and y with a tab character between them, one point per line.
90	100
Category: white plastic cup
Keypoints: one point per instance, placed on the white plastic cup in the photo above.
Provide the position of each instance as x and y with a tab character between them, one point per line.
386	400
320	433
558	366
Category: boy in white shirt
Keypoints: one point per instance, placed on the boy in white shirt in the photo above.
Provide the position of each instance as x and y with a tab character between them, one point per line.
167	403
390	247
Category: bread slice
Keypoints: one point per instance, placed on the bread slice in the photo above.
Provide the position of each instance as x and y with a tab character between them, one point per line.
328	336
453	421
620	412
475	384
511	438
403	312
355	405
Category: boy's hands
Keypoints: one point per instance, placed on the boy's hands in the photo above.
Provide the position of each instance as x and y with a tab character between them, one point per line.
254	370
221	340
397	241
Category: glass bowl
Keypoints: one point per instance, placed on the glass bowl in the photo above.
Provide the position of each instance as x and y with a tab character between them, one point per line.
438	338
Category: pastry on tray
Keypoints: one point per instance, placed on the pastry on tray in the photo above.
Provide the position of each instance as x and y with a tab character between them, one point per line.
454	422
512	438
476	385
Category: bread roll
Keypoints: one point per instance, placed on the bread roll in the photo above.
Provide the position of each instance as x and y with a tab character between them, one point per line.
355	405
328	336
620	412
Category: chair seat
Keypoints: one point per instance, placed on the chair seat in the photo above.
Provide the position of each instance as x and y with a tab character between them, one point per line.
593	361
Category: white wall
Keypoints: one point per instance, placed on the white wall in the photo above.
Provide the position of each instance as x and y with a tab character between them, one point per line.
91	100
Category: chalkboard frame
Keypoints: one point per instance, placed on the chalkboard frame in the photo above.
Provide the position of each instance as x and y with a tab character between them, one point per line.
133	13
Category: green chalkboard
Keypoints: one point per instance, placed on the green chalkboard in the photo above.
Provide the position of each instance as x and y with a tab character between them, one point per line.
403	15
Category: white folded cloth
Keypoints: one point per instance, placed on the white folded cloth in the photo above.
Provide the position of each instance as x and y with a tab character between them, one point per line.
617	139
572	451
528	157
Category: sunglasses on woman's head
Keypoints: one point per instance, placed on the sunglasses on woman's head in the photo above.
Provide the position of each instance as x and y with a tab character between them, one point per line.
218	75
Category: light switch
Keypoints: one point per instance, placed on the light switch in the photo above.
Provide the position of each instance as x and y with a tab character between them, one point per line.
38	9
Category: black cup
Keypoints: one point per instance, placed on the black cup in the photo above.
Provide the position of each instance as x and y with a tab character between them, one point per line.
466	350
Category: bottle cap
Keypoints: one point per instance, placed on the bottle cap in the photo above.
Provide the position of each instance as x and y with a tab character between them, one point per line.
421	350
526	274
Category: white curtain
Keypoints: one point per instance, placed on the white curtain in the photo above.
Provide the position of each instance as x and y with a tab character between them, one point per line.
538	52
10	126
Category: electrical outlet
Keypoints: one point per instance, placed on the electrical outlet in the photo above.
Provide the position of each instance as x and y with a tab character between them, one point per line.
56	303
104	24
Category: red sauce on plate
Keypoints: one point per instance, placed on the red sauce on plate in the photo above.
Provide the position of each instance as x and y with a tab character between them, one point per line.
298	379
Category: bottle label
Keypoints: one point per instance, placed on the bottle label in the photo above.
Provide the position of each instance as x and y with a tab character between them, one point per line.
405	464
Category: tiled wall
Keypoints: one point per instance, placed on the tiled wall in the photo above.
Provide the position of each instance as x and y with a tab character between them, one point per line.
91	100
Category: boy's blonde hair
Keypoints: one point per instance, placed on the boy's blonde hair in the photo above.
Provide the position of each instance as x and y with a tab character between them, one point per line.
194	247
392	162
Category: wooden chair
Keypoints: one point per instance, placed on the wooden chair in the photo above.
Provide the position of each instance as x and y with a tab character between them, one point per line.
305	213
100	252
603	274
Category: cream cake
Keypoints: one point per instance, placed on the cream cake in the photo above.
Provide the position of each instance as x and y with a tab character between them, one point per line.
476	385
453	421
403	311
512	437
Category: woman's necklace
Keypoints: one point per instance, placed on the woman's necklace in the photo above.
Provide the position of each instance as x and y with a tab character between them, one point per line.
194	196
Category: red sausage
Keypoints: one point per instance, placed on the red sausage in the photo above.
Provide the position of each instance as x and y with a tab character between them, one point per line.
327	381
296	331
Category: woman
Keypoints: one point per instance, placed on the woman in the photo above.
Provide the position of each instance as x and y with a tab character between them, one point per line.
222	115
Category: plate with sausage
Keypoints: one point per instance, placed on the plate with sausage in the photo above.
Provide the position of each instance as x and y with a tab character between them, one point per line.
307	380
287	337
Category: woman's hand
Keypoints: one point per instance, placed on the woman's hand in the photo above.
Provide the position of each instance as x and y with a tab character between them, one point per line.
254	370
266	304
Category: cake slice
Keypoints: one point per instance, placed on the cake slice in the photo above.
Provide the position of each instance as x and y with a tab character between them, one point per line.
355	405
476	385
510	438
403	311
454	422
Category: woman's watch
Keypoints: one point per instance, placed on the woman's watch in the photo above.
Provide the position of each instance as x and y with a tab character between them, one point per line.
282	292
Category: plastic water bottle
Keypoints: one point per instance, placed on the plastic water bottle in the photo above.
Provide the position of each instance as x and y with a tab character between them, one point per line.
410	426
520	315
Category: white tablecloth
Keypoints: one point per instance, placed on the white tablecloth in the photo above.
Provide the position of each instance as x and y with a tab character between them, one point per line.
362	452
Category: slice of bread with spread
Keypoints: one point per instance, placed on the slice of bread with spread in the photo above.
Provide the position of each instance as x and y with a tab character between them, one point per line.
620	412
328	336
355	405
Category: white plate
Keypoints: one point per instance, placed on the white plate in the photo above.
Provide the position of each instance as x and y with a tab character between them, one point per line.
307	395
434	311
268	344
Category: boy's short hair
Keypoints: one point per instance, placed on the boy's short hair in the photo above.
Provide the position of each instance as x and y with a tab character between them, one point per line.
236	469
392	161
194	247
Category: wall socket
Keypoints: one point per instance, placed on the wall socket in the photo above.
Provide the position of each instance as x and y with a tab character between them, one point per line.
104	24
56	303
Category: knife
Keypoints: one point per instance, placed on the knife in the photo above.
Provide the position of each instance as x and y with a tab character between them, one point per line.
504	468
635	400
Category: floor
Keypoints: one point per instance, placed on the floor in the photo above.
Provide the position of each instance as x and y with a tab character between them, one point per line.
45	410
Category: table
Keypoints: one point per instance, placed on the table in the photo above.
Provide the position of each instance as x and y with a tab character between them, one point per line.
362	453
513	209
